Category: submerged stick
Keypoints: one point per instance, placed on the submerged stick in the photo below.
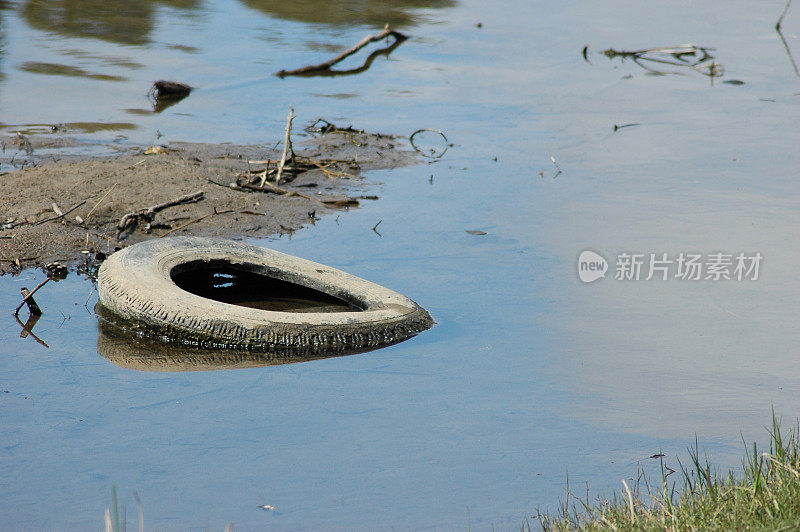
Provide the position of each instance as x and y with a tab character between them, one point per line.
557	167
678	56
27	297
789	53
141	511
326	66
783	14
783	40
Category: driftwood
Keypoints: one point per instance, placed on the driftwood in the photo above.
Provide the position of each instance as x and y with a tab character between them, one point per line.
130	221
325	68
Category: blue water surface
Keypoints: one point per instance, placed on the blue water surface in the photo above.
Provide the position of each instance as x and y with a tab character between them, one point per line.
530	377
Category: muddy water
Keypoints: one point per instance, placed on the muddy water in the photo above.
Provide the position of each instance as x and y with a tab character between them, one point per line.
530	372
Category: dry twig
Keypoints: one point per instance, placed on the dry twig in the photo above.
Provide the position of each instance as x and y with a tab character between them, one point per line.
100	201
132	219
269	188
200	219
60	215
287	148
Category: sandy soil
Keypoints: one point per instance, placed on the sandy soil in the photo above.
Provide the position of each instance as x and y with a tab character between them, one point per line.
94	194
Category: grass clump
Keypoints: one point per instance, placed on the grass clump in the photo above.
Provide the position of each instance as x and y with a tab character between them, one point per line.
765	497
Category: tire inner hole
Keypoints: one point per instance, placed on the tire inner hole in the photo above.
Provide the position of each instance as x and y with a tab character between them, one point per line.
228	284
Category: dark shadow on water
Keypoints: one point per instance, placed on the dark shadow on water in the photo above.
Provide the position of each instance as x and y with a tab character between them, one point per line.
57	69
130	352
249	289
119	21
126	22
375	13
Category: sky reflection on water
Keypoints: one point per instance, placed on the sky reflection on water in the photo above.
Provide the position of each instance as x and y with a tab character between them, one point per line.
529	373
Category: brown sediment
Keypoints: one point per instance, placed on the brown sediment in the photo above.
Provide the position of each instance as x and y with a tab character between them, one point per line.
62	208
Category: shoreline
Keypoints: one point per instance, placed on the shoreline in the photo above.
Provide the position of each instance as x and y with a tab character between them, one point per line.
74	208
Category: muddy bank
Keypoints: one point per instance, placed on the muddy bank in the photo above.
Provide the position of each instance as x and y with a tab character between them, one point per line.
64	208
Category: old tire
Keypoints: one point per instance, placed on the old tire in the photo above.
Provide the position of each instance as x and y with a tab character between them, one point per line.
137	293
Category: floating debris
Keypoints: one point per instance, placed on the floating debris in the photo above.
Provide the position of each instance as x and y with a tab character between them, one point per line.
56	270
163	94
431	153
155	150
617	128
689	56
